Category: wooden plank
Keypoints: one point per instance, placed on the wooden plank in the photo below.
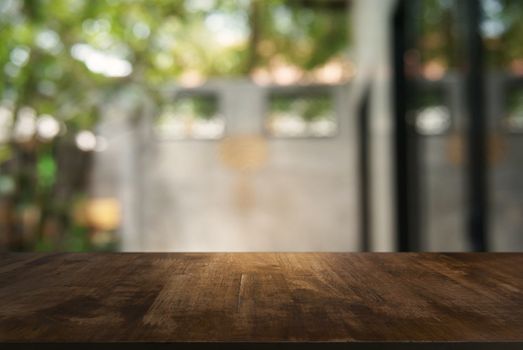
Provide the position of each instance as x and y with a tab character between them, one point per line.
352	299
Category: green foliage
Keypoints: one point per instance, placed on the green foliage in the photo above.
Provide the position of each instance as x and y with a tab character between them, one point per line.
77	240
504	41
306	34
46	170
436	31
204	107
515	102
160	39
438	26
428	96
310	107
67	58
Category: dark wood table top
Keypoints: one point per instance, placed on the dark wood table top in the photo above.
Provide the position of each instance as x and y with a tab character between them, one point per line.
336	298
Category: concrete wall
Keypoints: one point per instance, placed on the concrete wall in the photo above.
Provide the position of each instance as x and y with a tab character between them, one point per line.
180	195
302	197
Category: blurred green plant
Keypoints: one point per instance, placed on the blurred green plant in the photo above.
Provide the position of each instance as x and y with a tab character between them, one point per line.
308	107
514	117
438	28
67	58
204	107
502	28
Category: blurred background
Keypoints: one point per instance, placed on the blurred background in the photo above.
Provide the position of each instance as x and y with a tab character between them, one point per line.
261	125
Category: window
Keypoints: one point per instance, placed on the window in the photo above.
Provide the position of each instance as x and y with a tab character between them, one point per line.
193	116
301	114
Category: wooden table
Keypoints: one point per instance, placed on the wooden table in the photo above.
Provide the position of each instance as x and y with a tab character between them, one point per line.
261	301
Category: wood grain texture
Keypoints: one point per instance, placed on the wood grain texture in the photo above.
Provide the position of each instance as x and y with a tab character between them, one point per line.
261	297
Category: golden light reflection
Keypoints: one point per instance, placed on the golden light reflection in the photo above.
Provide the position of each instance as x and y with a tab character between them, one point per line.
434	70
244	152
102	213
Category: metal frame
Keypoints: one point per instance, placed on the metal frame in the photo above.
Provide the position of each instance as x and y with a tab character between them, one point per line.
364	172
477	167
407	173
405	137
